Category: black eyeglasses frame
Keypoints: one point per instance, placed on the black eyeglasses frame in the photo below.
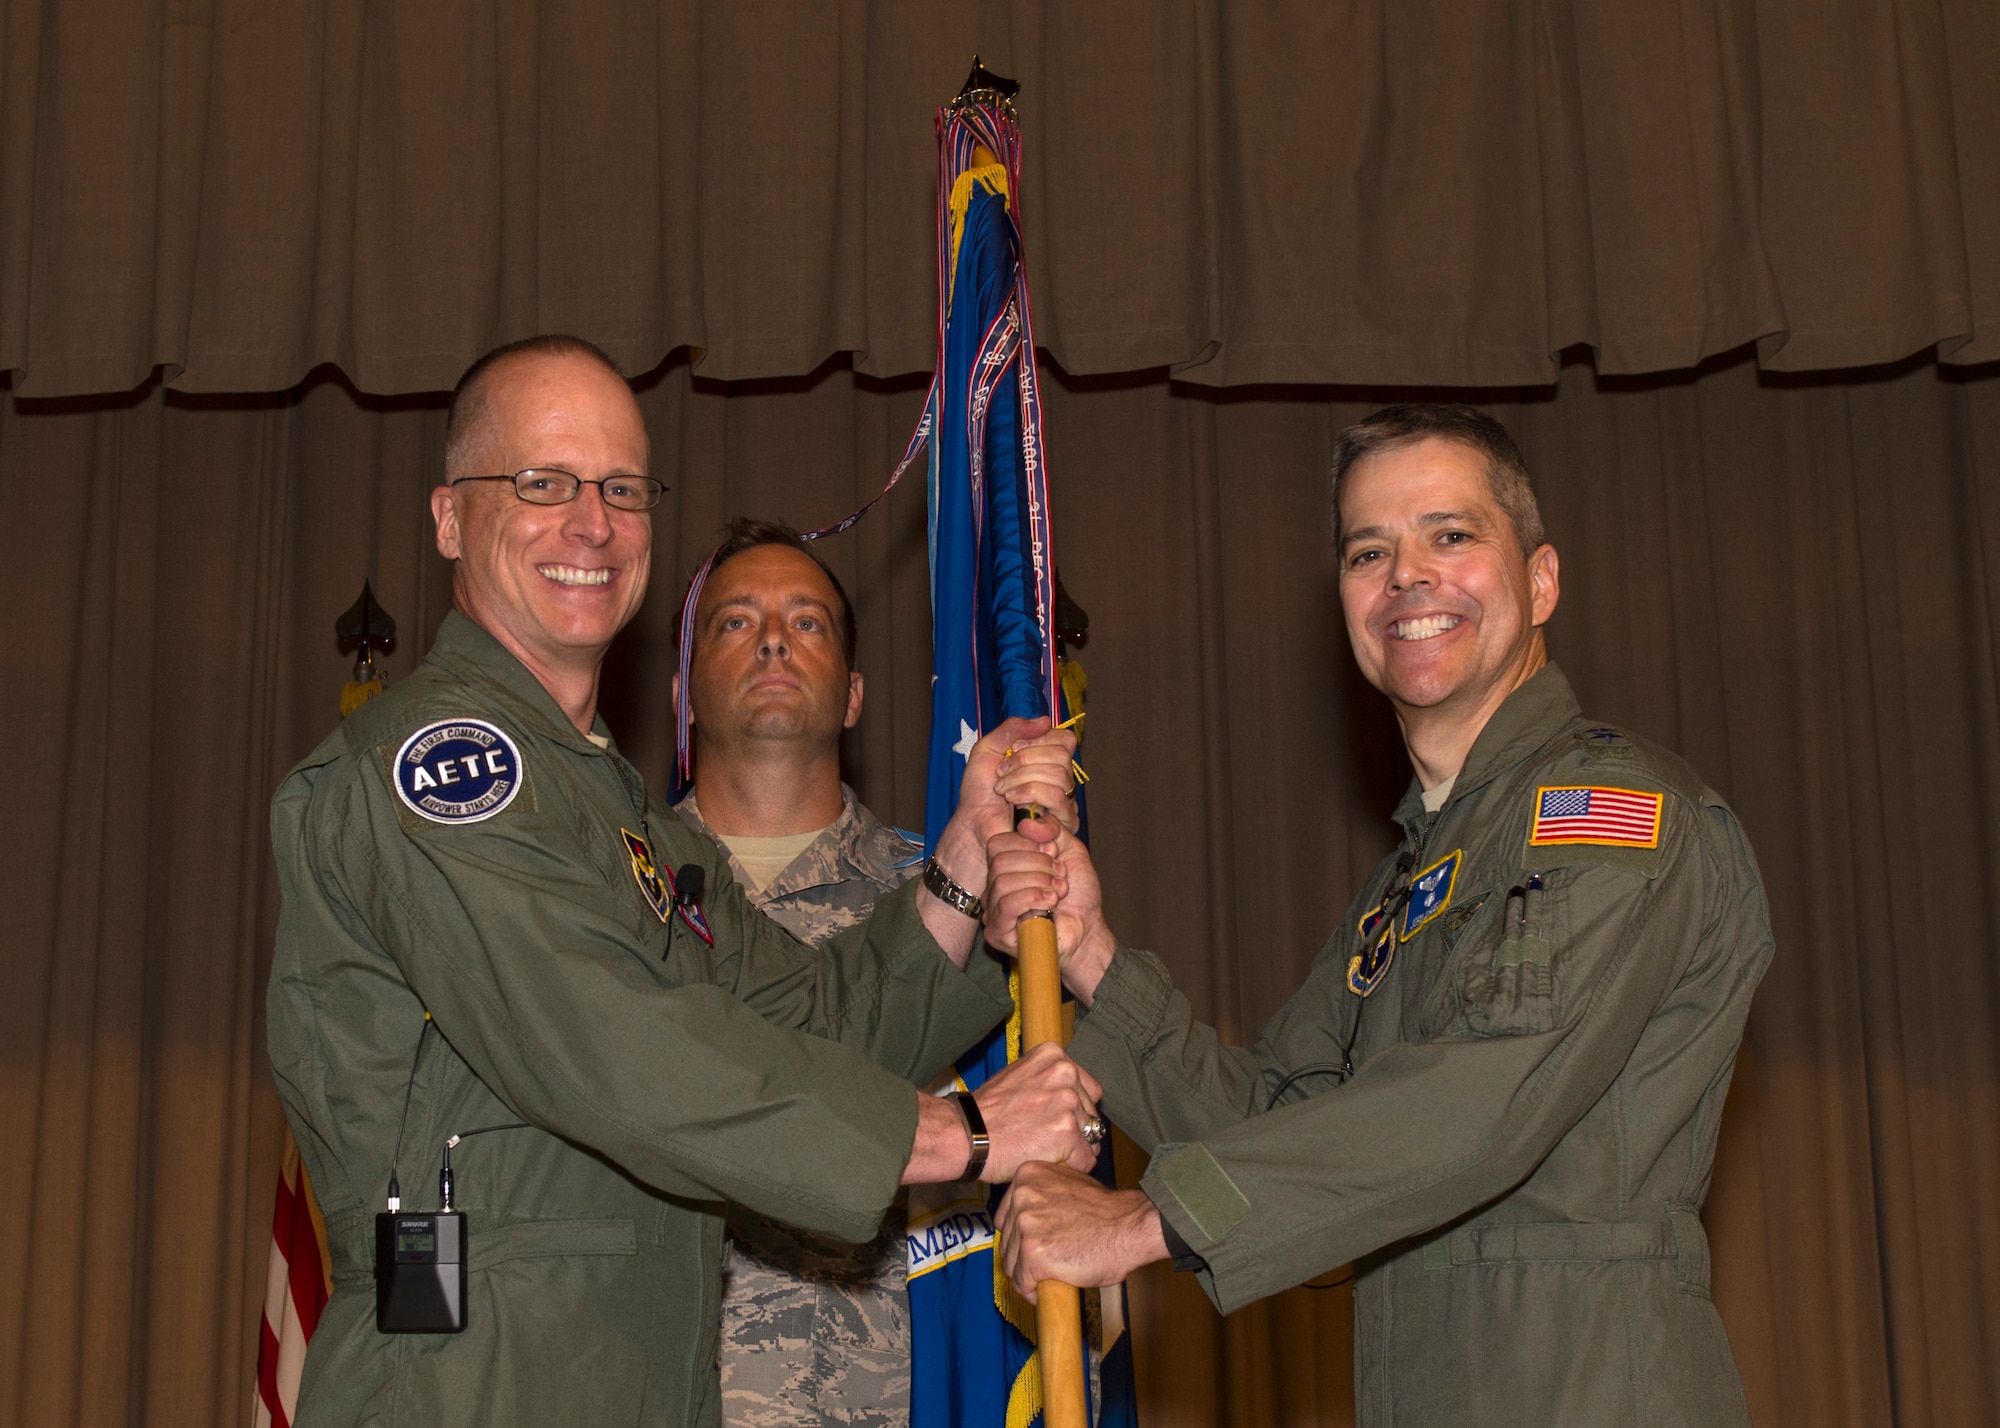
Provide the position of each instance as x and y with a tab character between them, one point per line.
654	487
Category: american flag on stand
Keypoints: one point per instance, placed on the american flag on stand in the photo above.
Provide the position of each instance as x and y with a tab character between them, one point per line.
1618	817
296	1289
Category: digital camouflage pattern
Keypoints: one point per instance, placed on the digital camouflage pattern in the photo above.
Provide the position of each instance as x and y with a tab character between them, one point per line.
1517	1165
815	1330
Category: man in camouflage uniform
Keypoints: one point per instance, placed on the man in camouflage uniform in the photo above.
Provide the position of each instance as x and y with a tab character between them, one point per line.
813	1330
1498	1092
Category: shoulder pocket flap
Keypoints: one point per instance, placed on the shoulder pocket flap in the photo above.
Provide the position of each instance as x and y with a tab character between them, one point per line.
539	1239
1644	861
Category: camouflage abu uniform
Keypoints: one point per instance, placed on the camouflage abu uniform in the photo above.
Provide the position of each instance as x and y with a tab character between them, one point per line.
815	1330
1517	1164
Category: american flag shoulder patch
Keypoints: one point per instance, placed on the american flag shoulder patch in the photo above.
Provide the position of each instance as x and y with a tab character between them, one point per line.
1590	813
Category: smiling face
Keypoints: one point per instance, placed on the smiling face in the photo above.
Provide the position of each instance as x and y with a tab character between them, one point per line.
768	664
1444	612
551	583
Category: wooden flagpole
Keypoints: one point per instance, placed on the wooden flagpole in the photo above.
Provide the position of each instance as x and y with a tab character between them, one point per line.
1058	1306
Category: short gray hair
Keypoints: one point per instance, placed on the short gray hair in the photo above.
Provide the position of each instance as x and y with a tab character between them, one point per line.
466	412
1407	423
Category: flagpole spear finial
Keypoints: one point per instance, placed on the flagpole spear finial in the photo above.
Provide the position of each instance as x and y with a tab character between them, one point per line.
364	629
983	79
983	86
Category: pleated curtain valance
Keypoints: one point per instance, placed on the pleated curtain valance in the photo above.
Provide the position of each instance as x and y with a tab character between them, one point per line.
1400	191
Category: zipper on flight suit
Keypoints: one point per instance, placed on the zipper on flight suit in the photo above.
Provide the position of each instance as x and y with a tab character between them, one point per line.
1343	1069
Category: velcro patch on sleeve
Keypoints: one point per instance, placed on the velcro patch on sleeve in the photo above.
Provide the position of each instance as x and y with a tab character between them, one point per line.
1592	815
1204	1189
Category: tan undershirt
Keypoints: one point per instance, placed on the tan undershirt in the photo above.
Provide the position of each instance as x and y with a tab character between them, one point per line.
764	858
1434	797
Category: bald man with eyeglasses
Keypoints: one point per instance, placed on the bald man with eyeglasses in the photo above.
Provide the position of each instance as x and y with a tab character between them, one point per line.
482	928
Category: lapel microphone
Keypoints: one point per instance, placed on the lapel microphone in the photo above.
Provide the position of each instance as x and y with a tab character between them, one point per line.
689	880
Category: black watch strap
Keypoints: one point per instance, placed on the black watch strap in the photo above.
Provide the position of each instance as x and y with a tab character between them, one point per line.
975	1126
939	882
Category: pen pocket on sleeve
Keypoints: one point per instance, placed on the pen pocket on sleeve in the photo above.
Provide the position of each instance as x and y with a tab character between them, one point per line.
1509	987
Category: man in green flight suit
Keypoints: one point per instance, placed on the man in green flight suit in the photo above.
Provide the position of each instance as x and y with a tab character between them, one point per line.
1497	1093
481	929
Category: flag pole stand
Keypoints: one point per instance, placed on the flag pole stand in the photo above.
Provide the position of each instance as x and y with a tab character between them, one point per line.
1058	1307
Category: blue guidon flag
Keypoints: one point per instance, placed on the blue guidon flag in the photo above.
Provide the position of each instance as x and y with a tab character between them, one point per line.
993	602
993	619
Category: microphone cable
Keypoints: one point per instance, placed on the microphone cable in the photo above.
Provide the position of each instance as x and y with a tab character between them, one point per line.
396	1156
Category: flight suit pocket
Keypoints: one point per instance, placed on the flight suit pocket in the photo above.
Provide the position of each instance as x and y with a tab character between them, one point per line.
1509	986
1469	922
547	1239
572	1309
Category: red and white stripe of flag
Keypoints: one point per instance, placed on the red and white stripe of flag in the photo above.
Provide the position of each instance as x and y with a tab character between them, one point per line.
1619	816
295	1291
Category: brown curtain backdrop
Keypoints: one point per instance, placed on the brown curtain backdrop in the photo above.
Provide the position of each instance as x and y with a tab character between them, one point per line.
1382	190
1790	579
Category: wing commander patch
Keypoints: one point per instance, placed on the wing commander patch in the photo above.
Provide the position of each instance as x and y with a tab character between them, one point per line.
652	886
458	771
1606	817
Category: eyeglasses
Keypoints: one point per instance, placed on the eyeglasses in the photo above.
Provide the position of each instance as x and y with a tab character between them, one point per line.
553	486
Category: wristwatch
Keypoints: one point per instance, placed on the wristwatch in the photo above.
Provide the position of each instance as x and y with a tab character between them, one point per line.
939	882
975	1126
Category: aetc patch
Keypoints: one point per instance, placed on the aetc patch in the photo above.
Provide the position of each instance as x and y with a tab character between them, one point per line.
652	886
458	771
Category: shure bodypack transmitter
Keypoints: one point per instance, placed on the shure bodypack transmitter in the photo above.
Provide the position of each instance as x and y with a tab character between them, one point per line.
420	1257
420	1273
